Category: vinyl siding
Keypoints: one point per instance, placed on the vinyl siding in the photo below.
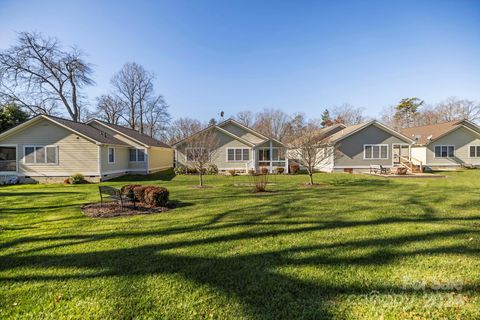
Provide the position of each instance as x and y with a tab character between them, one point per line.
350	150
242	133
160	158
121	159
75	153
220	156
461	138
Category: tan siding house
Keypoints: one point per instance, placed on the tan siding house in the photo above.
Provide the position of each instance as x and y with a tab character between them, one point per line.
47	148
446	145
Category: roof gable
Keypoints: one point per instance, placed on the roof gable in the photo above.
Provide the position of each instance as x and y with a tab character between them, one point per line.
351	130
424	135
133	135
215	127
88	132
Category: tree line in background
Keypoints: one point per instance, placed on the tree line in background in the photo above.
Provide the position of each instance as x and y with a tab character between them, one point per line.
40	76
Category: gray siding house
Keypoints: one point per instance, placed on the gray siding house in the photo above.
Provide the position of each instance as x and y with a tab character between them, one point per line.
240	148
446	145
370	143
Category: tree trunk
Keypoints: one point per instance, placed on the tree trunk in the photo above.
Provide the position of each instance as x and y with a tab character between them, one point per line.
310	176
201	178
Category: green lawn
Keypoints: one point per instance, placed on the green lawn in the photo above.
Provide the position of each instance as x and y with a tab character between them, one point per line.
355	247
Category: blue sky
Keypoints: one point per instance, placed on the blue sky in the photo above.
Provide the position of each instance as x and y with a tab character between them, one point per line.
298	56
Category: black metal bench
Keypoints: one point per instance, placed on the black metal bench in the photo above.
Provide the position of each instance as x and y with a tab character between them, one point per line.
114	194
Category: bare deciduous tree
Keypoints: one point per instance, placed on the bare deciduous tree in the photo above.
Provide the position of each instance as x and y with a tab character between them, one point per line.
182	128
133	87
38	74
246	118
311	150
458	109
199	150
347	114
156	116
272	123
109	108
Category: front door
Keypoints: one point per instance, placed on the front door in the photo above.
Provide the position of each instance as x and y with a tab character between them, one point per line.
400	152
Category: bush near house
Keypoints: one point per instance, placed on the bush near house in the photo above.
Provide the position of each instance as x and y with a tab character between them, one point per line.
77	178
280	170
294	167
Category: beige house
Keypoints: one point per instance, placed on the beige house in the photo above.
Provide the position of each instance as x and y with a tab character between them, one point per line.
239	148
356	148
446	145
48	148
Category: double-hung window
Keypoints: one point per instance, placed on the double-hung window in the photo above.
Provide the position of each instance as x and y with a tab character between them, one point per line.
111	155
238	154
375	151
137	155
474	151
444	151
41	154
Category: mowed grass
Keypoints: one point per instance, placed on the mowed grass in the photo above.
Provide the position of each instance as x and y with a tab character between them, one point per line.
355	247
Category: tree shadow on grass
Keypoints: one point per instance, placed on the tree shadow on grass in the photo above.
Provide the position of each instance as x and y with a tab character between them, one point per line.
253	279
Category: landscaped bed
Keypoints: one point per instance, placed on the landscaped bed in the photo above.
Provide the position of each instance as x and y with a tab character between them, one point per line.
113	209
361	247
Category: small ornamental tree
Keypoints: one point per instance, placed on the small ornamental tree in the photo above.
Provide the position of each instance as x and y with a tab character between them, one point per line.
199	150
311	149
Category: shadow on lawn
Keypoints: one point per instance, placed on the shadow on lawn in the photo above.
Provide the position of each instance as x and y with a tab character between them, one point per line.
253	278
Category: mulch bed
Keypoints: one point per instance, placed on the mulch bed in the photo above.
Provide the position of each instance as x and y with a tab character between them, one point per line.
113	209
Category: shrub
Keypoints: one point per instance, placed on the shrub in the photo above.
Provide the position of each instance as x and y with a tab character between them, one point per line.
212	169
156	196
139	193
264	170
128	189
192	170
77	178
280	170
180	169
260	182
233	173
66	181
251	172
294	167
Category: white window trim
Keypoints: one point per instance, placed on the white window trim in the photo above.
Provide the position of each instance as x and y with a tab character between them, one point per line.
114	155
241	148
446	145
136	155
34	163
380	145
470	145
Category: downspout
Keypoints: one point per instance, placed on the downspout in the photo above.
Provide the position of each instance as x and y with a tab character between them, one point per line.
99	149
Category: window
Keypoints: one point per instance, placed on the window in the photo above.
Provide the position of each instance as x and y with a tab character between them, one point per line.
474	152
444	151
41	154
8	158
278	154
238	154
375	151
111	155
137	155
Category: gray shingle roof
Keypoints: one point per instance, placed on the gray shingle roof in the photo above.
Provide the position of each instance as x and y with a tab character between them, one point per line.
87	131
133	134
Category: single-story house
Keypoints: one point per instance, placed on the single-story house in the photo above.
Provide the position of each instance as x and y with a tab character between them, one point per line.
355	148
239	148
446	145
48	148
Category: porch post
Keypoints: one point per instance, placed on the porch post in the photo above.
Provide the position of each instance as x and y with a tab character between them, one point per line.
271	154
254	159
285	152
